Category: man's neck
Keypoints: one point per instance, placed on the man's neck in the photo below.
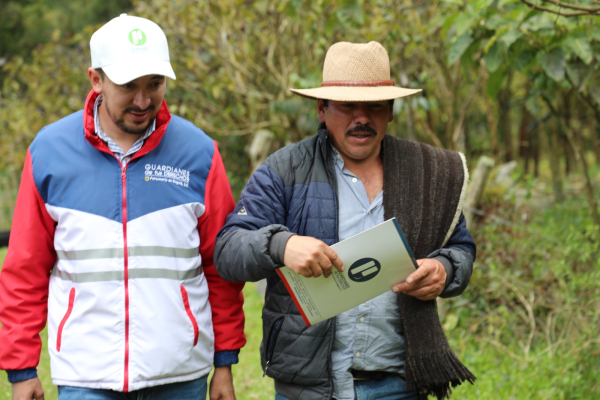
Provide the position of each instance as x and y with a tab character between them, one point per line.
123	139
369	171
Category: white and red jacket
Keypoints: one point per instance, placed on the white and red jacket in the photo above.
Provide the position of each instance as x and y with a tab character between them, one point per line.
119	260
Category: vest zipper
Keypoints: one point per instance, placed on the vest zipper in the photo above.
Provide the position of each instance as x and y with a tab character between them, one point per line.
126	278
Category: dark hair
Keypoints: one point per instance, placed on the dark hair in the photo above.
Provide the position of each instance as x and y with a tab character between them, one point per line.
102	75
326	103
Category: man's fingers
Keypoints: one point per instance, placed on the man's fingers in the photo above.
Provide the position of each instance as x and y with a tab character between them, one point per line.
306	272
409	284
310	257
325	264
424	296
425	283
335	259
419	273
316	270
401	287
414	280
421	292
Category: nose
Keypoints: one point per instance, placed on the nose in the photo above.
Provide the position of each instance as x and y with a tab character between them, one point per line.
360	114
142	99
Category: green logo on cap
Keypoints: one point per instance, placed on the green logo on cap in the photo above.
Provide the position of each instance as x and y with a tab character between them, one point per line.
137	37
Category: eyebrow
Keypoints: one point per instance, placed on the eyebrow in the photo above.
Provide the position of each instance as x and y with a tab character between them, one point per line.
161	77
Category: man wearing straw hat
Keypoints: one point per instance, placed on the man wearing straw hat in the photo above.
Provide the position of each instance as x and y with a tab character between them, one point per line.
349	177
113	239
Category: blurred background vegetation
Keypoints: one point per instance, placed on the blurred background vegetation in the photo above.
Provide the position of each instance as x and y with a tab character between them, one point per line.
513	80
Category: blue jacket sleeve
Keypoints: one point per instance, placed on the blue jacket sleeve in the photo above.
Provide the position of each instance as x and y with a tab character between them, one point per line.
256	223
19	375
457	256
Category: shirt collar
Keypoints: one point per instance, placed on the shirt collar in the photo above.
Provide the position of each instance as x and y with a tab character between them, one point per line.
337	157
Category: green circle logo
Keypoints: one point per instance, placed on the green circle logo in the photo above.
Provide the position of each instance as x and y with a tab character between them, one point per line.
137	37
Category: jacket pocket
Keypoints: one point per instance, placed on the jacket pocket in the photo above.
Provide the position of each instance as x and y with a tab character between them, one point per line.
186	304
65	318
270	347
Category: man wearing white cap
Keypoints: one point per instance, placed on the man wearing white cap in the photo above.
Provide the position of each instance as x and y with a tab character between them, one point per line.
347	178
113	242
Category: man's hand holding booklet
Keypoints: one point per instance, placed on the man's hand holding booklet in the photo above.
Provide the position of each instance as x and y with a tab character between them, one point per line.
373	260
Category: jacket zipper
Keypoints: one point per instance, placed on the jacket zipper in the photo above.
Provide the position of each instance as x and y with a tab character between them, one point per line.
332	324
273	335
330	167
65	318
126	278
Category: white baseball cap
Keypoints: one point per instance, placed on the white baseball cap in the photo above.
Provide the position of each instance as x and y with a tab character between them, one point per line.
128	47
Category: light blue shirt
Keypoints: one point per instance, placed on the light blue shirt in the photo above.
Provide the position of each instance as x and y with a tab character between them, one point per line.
368	337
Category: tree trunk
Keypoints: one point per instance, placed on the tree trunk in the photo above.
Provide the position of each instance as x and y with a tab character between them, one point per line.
504	120
569	150
576	143
478	182
596	131
492	125
554	158
524	141
467	143
535	139
260	148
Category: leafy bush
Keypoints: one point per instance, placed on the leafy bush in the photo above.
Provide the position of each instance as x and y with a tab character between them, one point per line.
528	323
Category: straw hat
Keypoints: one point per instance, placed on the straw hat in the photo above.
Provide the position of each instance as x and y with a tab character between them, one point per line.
356	72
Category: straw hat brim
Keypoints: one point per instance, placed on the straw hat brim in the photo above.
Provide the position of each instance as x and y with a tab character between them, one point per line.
356	93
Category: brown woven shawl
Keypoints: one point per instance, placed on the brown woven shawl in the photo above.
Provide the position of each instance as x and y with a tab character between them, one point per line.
423	187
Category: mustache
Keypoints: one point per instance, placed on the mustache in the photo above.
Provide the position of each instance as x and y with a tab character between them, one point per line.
151	107
362	128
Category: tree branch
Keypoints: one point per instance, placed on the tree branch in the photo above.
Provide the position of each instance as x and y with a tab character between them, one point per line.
589	10
463	111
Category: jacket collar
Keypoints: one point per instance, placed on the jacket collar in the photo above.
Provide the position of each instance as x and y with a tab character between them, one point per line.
323	134
162	121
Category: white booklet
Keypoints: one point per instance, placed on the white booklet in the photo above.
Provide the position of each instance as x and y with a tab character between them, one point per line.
374	261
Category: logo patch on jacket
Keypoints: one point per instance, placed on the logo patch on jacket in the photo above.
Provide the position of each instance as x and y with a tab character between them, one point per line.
167	173
242	211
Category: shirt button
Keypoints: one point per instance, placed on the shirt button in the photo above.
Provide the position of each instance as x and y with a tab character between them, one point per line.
362	319
354	180
357	355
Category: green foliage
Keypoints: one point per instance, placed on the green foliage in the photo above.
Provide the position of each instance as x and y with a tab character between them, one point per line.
8	197
36	94
235	61
538	42
528	323
25	24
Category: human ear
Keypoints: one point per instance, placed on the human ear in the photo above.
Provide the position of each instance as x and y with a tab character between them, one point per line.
321	110
95	80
